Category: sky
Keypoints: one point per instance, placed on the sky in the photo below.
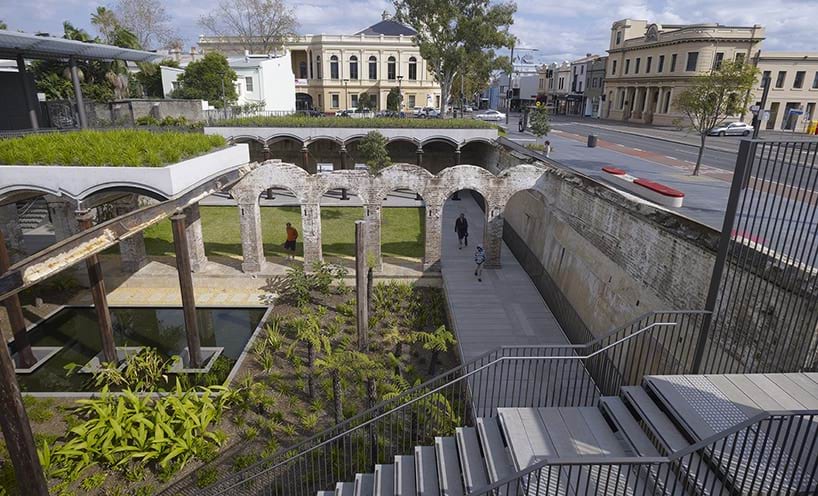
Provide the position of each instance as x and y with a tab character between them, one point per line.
560	30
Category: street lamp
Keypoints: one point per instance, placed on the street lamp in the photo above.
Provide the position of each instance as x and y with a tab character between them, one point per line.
509	90
400	95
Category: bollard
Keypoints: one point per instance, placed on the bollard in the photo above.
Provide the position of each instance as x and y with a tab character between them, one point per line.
591	141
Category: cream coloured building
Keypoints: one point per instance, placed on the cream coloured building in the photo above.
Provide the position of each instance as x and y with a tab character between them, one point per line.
332	71
650	64
793	95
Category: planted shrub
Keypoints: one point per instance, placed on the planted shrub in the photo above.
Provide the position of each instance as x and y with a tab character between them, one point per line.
342	122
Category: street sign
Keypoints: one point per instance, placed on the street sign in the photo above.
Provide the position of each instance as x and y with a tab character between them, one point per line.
325	167
755	108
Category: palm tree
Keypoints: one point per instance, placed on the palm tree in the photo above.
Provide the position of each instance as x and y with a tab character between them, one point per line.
308	332
106	23
436	341
394	337
337	363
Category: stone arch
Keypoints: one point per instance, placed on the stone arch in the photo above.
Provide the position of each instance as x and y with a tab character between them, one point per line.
286	147
460	177
479	151
356	182
285	136
256	146
515	179
401	176
440	139
403	149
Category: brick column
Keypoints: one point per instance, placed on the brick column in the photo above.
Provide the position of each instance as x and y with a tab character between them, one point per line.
132	255
493	234
305	158
457	157
252	248
311	233
373	239
419	155
11	230
63	220
266	151
195	240
433	232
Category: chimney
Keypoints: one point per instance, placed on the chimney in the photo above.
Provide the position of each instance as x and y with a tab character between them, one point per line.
247	55
588	54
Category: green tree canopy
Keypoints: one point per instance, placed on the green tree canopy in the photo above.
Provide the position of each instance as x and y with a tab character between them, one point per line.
3	25
204	79
372	149
150	77
539	121
393	100
715	97
452	33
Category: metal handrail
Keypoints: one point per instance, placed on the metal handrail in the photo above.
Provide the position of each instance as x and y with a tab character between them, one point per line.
644	460
403	404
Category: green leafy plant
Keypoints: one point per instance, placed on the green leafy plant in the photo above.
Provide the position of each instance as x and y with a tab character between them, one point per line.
206	477
372	149
539	121
93	481
341	122
39	409
436	342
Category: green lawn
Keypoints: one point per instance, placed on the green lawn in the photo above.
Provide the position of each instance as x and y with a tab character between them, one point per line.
401	231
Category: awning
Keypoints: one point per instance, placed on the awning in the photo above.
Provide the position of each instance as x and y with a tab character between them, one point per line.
13	44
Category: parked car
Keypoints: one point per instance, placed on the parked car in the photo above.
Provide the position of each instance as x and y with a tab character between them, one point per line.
468	108
431	113
346	113
490	115
309	113
389	113
732	129
417	111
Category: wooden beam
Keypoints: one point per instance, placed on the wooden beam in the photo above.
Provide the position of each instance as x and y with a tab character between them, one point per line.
77	248
99	295
15	312
194	347
361	285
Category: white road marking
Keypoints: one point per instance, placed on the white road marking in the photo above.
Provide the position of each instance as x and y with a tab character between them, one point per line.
668	156
689	162
639	149
620	144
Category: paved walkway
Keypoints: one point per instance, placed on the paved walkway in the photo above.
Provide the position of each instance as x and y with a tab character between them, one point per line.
504	309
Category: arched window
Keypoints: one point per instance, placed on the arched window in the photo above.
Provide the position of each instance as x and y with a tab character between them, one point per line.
353	67
390	69
413	69
373	67
302	70
333	67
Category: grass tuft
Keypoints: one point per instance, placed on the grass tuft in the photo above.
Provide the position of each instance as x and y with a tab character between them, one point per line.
118	148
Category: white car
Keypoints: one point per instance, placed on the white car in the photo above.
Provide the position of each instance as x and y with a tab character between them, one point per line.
491	115
732	129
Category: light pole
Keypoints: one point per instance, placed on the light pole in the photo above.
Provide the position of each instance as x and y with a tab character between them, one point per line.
400	95
509	90
346	96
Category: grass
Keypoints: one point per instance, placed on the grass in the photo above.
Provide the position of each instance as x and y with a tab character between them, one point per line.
401	231
346	122
119	148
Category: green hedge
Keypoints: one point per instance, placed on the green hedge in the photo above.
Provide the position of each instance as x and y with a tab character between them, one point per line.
118	148
348	122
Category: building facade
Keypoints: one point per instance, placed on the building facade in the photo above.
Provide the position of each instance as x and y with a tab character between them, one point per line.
558	81
594	82
332	72
650	64
793	96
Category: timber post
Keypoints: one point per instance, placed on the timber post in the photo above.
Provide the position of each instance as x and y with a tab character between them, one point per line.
361	271
194	347
25	356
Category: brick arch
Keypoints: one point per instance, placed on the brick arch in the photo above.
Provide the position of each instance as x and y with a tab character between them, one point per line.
515	179
272	174
355	181
244	138
400	176
460	177
314	139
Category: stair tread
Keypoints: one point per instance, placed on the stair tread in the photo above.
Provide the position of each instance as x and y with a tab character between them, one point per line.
384	480
497	462
448	467
344	489
527	436
471	462
426	471
325	493
404	475
364	484
628	426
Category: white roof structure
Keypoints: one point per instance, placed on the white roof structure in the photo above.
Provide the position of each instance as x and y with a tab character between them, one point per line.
31	46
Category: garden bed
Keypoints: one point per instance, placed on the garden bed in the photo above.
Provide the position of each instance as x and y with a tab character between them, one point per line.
345	122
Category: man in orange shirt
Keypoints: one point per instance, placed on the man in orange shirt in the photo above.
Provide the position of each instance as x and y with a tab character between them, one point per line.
289	245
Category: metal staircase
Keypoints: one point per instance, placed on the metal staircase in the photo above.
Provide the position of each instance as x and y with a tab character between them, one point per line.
32	213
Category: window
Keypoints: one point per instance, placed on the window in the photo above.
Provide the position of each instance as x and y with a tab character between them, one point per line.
779	81
810	111
618	37
581	69
740	58
354	100
673	63
333	67
390	69
613	68
638	62
562	83
799	79
248	83
627	66
413	69
302	70
692	61
320	68
661	64
540	84
718	60
353	67
648	64
334	98
765	78
815	81
410	101
373	68
666	107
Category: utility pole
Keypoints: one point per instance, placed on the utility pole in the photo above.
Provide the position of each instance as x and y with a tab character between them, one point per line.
509	91
760	112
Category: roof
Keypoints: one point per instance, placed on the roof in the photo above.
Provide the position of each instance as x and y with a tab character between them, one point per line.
30	46
388	27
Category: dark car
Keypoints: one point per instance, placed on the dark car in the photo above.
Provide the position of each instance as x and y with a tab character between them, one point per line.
309	113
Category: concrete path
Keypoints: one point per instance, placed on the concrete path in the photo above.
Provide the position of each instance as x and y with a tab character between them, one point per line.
504	309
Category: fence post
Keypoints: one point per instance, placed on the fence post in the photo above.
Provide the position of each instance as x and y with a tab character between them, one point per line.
744	161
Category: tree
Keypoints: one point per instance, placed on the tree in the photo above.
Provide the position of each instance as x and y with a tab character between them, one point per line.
372	149
716	96
393	100
3	25
147	19
364	101
539	121
150	77
106	23
308	332
259	26
338	363
452	32
205	78
436	341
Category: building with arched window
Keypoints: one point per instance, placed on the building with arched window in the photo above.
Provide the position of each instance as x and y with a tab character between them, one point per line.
339	68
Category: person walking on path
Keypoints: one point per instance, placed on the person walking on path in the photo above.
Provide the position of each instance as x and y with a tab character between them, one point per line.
289	245
461	227
479	258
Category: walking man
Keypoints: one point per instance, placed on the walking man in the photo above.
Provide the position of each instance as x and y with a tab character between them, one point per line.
461	227
289	245
479	258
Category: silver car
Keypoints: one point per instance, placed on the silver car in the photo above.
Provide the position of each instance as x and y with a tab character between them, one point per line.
732	129
490	115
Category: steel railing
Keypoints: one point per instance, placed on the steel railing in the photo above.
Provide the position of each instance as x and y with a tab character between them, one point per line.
532	376
769	453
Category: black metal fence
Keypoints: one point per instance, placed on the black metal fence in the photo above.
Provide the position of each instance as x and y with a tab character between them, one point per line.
534	376
763	295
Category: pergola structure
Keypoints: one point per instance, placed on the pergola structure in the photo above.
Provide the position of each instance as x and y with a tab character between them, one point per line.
21	46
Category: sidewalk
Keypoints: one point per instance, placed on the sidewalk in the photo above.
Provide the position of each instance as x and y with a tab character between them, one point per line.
504	309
